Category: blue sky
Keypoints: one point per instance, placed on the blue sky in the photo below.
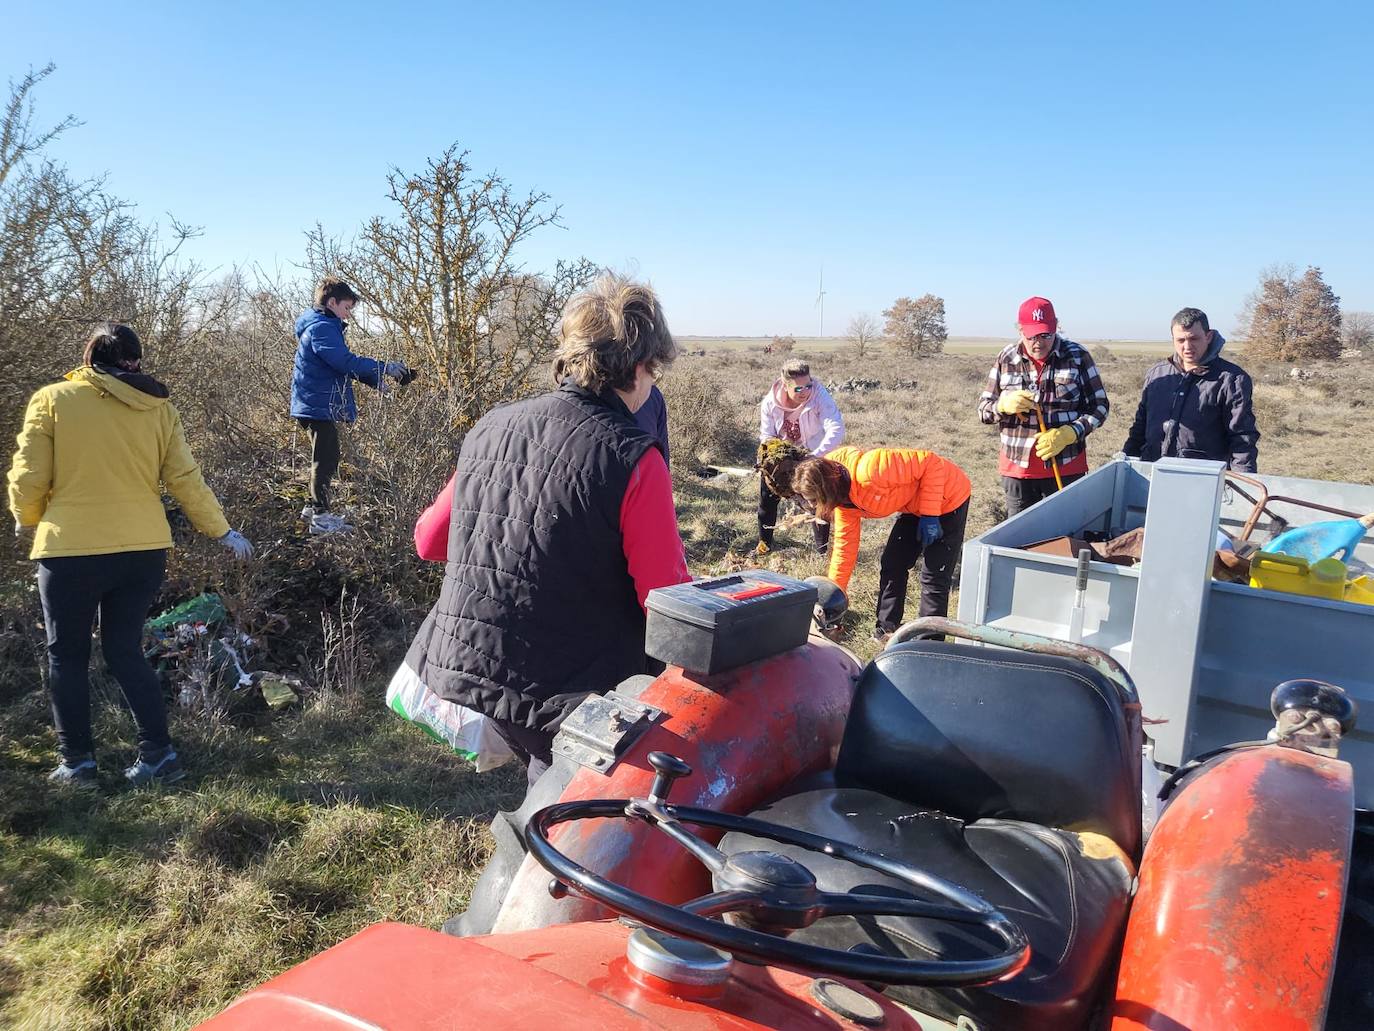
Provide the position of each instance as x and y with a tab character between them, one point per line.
1122	159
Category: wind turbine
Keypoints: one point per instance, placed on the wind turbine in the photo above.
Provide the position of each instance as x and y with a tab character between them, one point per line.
820	303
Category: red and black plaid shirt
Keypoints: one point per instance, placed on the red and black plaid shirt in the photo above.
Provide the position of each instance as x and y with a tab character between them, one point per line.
1067	387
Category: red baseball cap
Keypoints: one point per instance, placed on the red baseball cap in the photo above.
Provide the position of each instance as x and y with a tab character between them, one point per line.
1036	316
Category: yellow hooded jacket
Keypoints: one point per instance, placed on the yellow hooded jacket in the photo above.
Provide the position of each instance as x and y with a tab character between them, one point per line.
91	455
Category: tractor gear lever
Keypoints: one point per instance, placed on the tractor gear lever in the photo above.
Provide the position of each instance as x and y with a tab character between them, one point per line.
667	768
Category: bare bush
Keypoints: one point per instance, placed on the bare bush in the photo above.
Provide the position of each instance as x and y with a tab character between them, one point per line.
700	427
444	277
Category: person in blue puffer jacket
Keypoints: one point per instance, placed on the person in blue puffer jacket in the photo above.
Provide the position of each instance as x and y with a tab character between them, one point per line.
322	390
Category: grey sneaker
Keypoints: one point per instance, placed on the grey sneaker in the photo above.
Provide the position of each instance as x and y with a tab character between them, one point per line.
882	636
79	772
166	769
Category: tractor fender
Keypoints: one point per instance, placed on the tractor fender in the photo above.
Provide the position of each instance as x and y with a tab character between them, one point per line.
1238	911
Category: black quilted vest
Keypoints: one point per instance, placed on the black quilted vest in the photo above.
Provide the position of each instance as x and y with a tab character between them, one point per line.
538	607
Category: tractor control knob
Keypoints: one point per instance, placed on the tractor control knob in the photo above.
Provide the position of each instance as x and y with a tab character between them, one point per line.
1327	699
667	768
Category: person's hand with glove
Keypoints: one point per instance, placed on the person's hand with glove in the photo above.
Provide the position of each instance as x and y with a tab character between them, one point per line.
1051	442
23	534
238	544
1015	402
928	527
395	369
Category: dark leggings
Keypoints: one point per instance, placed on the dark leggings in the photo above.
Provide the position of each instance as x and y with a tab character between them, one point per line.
324	459
768	519
120	587
901	553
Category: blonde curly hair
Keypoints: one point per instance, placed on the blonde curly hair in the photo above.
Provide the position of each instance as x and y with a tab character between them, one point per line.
608	330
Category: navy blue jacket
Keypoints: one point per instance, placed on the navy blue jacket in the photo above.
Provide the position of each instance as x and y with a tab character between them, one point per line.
1204	413
652	418
321	383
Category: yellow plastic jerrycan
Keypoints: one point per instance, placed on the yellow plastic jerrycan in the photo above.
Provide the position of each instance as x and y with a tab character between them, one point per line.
1275	571
1360	590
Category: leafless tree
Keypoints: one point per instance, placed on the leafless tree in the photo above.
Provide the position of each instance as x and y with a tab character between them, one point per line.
1357	330
863	333
917	327
442	274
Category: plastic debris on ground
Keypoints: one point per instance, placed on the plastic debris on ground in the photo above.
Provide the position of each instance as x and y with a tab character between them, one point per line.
194	646
469	733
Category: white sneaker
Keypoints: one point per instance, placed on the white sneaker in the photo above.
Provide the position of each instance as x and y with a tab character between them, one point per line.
327	522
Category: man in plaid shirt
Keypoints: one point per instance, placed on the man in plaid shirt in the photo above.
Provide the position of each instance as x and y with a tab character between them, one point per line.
1058	375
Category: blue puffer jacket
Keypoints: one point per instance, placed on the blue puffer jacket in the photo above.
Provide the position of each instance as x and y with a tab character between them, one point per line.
320	383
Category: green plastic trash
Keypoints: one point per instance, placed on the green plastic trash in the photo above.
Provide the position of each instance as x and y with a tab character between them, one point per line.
203	608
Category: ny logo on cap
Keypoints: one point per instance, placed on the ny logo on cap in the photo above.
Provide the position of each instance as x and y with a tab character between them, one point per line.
1038	315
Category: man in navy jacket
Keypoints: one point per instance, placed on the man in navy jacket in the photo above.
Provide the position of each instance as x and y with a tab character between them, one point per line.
1195	404
322	390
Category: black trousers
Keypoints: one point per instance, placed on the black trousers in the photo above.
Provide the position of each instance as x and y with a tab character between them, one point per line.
1022	493
768	519
900	555
324	459
120	587
531	747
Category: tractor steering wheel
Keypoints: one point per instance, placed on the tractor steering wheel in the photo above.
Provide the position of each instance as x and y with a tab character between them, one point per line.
769	895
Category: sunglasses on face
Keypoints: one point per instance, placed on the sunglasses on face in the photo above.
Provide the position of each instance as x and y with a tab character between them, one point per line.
801	388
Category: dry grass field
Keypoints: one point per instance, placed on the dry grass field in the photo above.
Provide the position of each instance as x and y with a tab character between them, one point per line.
125	910
1310	428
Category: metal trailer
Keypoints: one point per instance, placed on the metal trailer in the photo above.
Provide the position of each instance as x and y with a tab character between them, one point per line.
1204	654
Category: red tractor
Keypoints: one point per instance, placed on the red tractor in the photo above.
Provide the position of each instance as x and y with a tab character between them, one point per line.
950	837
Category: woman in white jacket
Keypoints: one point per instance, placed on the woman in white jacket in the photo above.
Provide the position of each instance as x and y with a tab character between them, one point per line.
797	409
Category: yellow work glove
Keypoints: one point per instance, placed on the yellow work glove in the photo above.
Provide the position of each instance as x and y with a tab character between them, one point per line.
1015	402
1051	442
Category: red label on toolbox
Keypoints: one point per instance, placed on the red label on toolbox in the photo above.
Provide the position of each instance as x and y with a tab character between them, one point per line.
753	592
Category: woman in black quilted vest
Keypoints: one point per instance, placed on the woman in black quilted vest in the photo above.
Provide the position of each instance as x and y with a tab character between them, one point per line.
557	523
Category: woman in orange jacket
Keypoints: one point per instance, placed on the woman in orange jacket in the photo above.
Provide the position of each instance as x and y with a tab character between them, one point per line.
929	496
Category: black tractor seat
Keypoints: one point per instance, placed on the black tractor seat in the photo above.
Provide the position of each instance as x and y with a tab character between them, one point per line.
1014	775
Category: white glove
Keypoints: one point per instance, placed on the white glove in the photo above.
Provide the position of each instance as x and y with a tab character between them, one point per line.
238	544
23	534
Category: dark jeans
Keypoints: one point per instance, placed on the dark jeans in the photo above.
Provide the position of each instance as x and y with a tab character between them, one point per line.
768	520
531	747
1022	493
900	555
121	587
324	459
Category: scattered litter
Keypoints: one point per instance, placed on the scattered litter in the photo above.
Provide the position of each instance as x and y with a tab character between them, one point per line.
278	692
194	647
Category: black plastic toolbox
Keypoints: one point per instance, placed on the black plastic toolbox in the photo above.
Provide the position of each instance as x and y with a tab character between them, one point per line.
710	625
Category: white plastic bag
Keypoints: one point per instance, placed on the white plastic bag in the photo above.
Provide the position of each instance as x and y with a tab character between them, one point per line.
468	733
1150	784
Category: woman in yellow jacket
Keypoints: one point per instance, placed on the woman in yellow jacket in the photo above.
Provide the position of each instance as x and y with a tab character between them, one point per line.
85	482
928	494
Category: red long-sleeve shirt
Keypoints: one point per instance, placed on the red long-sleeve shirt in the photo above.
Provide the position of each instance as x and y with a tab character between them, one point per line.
648	527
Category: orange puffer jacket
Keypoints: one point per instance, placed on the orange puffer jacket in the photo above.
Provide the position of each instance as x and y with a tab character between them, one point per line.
886	481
